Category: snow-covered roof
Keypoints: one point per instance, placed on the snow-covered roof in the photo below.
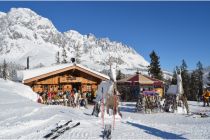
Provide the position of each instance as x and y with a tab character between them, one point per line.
31	73
172	90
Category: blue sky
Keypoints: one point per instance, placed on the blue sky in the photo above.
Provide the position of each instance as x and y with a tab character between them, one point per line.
175	30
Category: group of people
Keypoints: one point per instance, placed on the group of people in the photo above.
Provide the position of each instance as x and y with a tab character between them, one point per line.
73	98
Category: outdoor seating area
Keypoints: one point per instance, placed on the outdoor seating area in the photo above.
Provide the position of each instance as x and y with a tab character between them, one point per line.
73	98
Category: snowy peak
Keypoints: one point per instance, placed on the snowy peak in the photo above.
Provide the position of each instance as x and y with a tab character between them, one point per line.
21	14
21	10
28	18
74	35
24	23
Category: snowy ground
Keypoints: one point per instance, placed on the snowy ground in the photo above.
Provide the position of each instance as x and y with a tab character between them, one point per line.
21	118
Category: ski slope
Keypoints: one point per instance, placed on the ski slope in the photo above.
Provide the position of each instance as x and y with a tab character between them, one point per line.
22	118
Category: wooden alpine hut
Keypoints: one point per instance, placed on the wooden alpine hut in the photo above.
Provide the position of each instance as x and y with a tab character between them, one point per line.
63	77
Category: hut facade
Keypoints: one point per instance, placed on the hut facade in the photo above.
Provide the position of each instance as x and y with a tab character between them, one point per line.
63	78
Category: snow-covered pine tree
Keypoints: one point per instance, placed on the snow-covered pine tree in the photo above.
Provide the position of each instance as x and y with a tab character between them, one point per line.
13	75
64	56
5	74
208	77
109	61
174	79
120	75
1	70
12	70
91	52
119	61
154	68
193	86
185	78
199	71
57	57
78	52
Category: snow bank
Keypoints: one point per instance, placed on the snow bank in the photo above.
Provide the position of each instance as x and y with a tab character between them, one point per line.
7	86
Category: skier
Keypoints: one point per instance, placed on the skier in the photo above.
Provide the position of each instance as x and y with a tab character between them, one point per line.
77	96
206	95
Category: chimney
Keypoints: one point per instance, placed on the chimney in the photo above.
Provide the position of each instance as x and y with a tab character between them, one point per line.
138	72
27	63
73	61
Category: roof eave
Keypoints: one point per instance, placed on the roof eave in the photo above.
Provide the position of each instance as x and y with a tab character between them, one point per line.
25	81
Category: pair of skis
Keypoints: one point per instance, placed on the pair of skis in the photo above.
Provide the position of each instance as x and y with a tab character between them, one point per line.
202	115
59	130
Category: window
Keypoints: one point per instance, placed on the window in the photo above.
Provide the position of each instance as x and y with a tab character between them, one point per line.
88	87
45	87
60	87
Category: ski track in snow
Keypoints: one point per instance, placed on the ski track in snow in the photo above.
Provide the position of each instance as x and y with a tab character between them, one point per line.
20	128
32	112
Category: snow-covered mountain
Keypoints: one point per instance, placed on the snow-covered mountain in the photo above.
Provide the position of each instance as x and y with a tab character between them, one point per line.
24	33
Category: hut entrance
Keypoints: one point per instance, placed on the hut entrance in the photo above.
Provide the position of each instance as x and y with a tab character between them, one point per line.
77	86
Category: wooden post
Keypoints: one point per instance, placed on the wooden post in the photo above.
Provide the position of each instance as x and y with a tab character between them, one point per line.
102	111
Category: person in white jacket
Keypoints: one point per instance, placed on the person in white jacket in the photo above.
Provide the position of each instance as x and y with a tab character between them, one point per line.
77	96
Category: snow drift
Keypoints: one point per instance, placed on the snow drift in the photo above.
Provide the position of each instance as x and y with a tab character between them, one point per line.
8	87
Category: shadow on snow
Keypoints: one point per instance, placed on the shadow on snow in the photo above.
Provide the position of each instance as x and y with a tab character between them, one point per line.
129	104
157	132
